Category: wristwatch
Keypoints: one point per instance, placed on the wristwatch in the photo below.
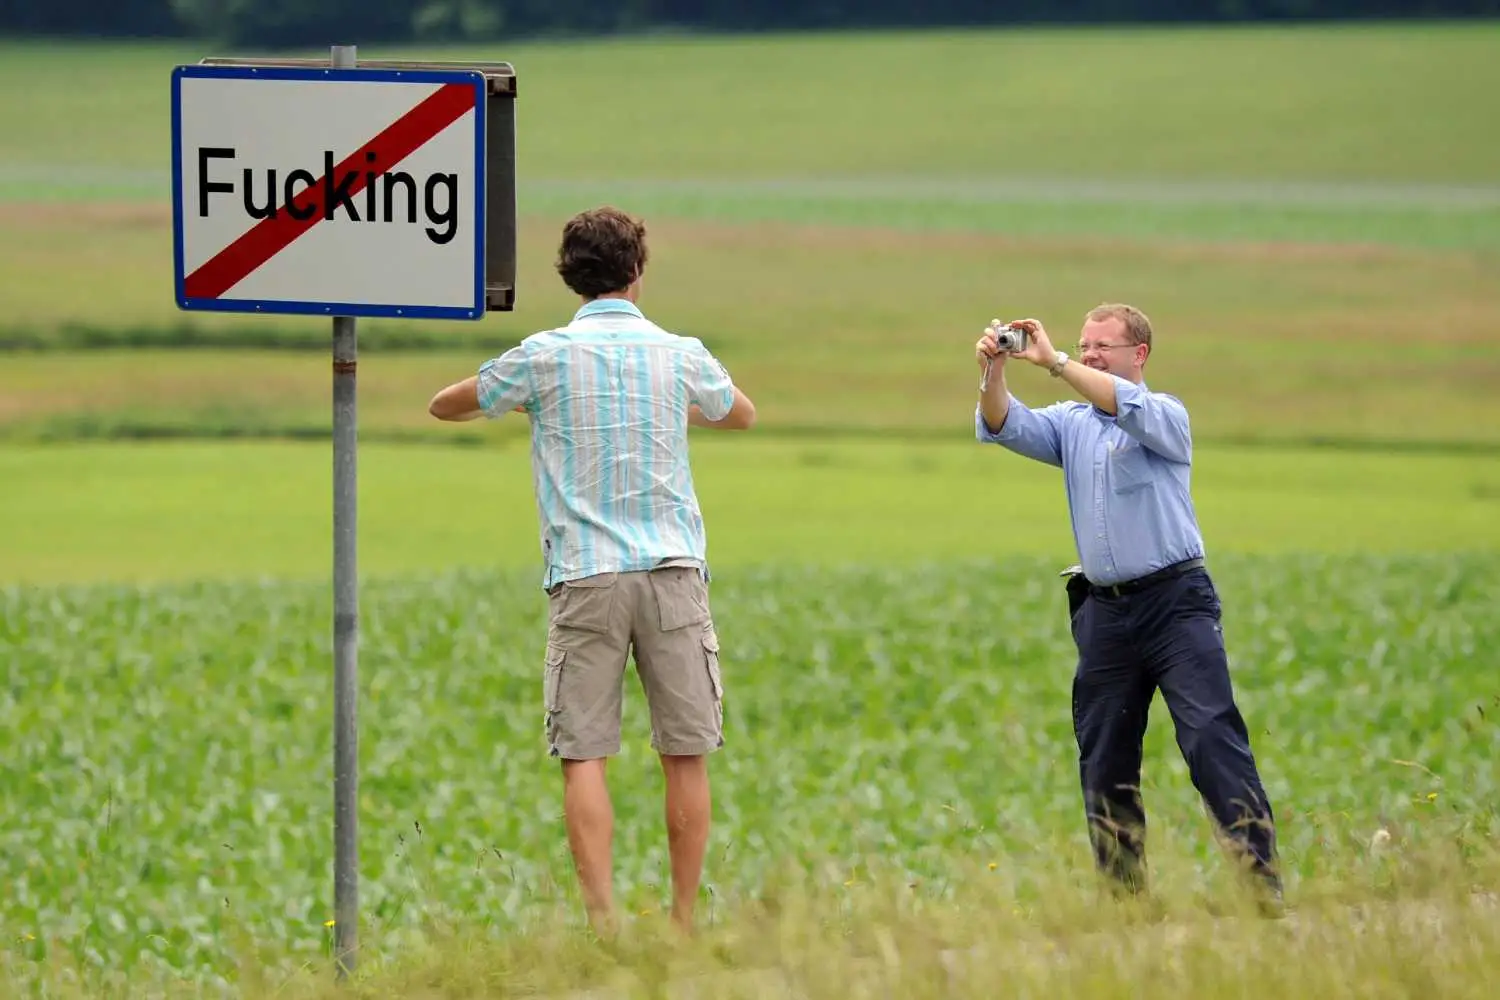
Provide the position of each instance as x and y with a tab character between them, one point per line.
1057	366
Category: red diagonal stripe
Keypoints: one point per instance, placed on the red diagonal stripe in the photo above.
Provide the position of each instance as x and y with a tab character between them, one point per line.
268	237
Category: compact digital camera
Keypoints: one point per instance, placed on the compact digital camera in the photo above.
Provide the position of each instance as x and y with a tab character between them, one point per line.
1011	339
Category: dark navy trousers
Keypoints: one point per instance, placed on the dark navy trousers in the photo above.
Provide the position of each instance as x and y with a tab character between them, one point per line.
1165	636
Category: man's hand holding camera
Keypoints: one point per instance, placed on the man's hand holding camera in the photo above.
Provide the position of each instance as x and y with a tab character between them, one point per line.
1035	346
999	342
1038	350
1027	339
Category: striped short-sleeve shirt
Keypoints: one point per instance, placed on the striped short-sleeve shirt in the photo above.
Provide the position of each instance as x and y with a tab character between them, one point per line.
608	397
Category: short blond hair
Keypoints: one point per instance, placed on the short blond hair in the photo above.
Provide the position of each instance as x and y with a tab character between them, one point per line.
1137	326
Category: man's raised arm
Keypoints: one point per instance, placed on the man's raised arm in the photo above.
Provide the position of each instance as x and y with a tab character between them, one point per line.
1002	419
502	385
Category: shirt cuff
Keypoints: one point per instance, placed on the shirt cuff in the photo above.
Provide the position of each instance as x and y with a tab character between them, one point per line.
485	391
984	434
1129	396
723	411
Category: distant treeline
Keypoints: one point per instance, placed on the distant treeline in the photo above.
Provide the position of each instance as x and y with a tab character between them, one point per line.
325	22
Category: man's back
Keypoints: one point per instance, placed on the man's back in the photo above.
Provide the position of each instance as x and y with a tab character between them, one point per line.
609	397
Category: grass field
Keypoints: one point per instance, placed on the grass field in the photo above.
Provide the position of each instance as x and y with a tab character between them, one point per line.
1260	217
1143	105
170	512
1292	345
1310	216
169	747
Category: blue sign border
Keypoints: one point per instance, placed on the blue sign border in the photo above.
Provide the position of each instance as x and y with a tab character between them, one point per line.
319	308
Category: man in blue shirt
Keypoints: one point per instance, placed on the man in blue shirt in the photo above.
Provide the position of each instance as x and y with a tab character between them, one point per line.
1145	614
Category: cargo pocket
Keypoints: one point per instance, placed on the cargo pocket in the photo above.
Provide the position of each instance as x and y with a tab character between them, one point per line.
586	604
715	679
681	597
711	653
552	694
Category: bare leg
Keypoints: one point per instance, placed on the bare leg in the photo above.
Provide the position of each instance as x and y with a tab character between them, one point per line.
688	810
590	820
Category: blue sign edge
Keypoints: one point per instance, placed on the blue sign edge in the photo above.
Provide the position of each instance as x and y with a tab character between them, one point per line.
322	308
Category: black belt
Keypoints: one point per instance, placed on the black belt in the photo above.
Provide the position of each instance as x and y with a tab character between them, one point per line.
1142	582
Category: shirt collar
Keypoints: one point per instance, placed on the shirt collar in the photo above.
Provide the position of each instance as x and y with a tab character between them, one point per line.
598	306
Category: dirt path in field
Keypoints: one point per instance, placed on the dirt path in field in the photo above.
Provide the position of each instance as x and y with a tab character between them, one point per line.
842	238
127	213
1350	195
85	214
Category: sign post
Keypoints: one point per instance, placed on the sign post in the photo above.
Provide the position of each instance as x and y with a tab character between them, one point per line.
327	188
345	629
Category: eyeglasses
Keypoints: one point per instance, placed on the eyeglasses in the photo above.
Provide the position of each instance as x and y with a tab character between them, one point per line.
1085	348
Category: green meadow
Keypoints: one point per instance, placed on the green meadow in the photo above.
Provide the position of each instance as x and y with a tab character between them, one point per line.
156	513
1310	216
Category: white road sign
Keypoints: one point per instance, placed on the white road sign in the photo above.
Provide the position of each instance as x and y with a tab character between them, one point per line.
355	192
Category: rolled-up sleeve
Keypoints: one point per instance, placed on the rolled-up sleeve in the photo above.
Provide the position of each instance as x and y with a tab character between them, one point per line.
709	384
1156	420
1036	434
504	383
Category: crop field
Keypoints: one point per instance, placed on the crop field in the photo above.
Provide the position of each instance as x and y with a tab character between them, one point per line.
168	749
1312	219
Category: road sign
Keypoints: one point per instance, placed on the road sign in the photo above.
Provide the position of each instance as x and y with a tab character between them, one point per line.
300	186
336	192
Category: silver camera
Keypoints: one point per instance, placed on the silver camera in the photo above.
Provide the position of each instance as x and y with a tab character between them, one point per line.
1011	339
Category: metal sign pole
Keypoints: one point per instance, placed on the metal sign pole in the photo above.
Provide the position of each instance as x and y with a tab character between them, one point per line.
345	631
212	110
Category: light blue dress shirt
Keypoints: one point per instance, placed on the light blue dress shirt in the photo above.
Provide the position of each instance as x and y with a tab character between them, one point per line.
608	399
1127	476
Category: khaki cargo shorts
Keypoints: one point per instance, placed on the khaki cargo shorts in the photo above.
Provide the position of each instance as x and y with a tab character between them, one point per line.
660	616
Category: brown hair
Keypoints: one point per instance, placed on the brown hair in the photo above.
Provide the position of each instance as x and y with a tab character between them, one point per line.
603	250
1137	326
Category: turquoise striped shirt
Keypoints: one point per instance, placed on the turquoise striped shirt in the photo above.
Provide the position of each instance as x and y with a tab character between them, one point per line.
608	399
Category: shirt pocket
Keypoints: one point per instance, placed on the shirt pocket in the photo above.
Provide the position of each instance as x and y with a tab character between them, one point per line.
1130	467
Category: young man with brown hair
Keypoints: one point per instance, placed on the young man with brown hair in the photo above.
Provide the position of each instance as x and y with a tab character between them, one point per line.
610	397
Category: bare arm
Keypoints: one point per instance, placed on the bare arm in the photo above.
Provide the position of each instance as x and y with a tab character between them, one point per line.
1004	420
501	386
994	396
709	385
459	401
741	415
1095	386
